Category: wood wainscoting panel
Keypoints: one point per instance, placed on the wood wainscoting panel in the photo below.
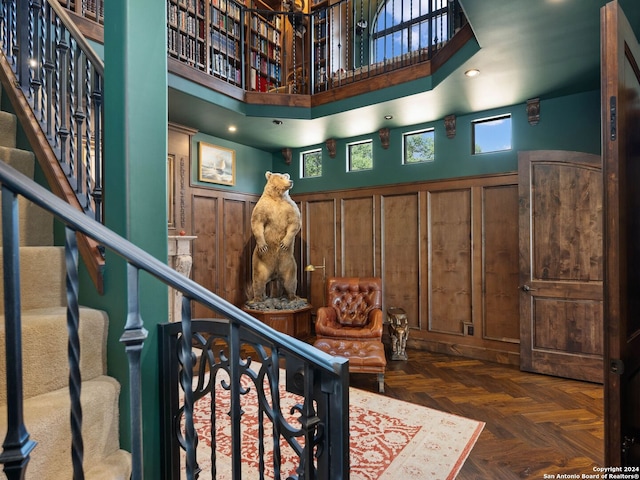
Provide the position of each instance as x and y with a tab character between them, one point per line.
450	261
358	237
236	260
401	254
205	247
501	299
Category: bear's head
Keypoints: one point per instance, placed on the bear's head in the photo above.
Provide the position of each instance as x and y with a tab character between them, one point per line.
278	183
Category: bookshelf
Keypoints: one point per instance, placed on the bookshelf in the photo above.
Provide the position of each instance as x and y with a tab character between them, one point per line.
264	62
225	53
209	35
186	31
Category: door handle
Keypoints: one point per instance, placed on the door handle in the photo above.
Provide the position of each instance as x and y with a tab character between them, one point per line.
527	288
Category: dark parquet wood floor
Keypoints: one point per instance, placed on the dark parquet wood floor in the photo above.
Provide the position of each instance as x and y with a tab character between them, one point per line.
535	424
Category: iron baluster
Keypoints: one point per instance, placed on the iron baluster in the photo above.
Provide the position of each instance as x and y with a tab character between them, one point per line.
75	379
86	189
133	338
235	390
62	74
17	446
96	192
185	355
70	113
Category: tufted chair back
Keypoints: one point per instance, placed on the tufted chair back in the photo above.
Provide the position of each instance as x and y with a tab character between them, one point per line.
353	298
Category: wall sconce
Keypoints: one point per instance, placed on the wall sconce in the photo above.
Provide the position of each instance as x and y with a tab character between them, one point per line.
286	154
331	147
384	137
533	111
450	125
313	268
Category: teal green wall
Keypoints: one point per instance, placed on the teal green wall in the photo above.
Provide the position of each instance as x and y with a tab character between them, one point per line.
136	112
566	123
251	164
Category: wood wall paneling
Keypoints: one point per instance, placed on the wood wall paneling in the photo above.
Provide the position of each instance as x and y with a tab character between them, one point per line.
237	251
205	247
501	307
401	254
450	270
358	237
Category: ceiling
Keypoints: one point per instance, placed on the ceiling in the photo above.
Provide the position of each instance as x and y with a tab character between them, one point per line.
523	49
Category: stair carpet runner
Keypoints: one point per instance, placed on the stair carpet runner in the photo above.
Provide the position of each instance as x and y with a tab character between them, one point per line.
44	350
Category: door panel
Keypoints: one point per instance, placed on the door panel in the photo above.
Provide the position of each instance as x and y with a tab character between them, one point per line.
561	264
620	54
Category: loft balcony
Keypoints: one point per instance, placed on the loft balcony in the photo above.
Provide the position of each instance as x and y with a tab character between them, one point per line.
294	54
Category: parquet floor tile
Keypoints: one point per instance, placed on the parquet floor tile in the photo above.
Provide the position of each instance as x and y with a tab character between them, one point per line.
535	424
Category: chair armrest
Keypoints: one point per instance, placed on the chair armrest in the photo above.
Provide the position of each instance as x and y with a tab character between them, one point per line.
326	321
375	324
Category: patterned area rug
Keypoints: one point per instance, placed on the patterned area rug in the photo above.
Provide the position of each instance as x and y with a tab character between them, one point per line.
390	439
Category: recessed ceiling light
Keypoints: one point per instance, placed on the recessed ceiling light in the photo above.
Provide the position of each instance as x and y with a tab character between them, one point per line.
388	117
232	128
474	72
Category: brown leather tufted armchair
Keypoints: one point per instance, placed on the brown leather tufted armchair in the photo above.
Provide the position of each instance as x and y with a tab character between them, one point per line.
350	325
353	309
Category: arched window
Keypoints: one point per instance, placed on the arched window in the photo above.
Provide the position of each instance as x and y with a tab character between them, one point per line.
403	26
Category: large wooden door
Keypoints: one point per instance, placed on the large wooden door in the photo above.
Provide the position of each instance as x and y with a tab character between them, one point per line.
561	269
621	149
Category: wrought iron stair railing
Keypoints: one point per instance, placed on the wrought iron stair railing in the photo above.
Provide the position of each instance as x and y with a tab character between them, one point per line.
322	438
61	78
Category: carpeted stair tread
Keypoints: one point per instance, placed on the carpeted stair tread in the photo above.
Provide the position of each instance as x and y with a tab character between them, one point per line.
44	349
47	419
8	125
42	278
21	160
35	224
116	466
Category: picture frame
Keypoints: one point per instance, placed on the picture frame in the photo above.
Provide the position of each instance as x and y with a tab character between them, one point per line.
216	164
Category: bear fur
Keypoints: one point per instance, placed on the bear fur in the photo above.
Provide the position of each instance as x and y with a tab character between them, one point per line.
275	222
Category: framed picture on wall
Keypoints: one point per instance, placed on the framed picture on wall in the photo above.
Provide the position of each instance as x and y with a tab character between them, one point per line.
216	164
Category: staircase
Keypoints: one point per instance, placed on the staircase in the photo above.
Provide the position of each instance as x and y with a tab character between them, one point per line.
44	351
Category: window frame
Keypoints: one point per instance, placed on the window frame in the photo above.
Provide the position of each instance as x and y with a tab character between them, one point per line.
431	130
303	156
431	21
349	145
484	121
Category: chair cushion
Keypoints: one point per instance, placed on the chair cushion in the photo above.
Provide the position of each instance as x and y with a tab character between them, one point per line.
365	356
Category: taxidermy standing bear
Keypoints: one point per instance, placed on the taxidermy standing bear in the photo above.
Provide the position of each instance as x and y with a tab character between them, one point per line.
275	222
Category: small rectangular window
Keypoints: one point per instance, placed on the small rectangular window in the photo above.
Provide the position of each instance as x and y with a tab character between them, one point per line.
311	163
492	135
418	147
360	156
